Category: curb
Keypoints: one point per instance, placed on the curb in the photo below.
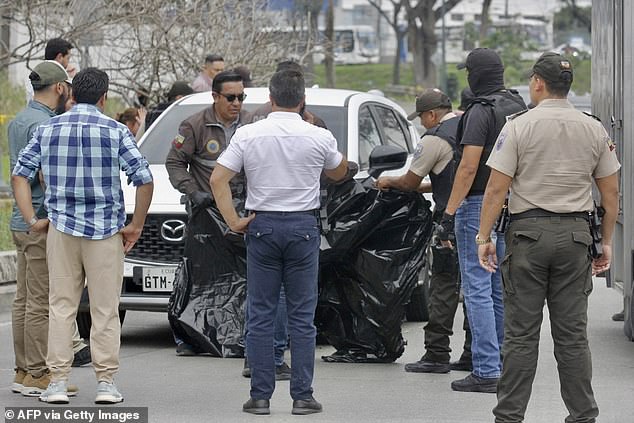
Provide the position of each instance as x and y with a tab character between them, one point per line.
7	280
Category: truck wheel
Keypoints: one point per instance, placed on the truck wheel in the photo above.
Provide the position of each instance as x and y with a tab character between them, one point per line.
84	322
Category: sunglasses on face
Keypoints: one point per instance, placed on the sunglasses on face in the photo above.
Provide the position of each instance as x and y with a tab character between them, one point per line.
232	97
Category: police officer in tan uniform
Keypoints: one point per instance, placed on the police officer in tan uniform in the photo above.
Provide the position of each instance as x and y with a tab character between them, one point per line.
203	136
434	156
548	156
200	140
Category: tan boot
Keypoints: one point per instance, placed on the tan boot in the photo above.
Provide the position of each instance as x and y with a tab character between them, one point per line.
18	381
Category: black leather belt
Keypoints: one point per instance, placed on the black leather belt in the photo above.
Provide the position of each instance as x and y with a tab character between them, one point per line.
313	212
545	213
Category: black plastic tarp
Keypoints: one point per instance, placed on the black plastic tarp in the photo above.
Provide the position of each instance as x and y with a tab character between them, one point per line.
377	243
369	267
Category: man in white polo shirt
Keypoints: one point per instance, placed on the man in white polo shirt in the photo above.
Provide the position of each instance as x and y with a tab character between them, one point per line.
283	157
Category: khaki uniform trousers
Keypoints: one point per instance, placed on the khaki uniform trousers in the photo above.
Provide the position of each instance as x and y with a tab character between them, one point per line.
546	260
71	261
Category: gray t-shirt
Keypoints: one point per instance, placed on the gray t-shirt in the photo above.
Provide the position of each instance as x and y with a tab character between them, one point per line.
20	131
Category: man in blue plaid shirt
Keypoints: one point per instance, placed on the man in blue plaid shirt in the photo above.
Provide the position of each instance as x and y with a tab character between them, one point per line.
81	154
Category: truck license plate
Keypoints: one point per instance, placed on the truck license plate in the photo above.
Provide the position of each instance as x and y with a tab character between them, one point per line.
158	279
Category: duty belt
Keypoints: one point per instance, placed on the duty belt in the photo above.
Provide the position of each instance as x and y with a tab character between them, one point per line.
545	213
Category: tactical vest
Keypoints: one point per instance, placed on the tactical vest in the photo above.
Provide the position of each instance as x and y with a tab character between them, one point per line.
502	103
442	182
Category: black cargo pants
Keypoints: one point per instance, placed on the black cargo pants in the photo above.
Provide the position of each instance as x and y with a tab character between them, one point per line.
547	260
444	294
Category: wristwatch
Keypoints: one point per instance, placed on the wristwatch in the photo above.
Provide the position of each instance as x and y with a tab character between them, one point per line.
33	221
481	241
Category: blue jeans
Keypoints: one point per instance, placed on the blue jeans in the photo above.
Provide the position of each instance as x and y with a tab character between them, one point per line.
482	291
282	249
280	336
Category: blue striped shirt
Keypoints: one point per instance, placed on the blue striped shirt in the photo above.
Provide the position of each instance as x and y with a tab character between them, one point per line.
80	153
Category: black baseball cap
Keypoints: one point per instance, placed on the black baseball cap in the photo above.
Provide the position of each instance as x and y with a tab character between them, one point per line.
553	67
430	99
481	57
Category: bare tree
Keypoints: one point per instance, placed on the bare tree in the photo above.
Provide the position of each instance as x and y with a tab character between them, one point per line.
583	19
146	43
485	19
421	20
329	47
399	30
309	10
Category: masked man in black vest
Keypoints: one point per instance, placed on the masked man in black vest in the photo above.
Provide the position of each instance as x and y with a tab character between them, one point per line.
478	130
434	156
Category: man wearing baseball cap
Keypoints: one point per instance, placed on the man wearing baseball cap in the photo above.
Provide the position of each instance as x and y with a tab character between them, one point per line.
30	308
549	157
434	156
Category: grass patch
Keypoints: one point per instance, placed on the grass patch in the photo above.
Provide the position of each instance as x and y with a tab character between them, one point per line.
379	76
364	77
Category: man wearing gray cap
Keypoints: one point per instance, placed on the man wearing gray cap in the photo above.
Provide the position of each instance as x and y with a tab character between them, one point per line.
549	157
434	156
51	86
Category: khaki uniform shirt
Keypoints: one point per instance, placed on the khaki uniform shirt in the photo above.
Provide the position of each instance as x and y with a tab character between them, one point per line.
432	153
200	140
553	152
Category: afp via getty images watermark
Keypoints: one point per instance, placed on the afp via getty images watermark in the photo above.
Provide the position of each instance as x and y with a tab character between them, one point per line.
76	414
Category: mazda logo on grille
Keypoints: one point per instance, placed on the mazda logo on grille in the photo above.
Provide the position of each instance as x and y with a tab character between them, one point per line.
173	230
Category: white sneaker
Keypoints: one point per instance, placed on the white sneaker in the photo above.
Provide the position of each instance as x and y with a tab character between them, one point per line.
56	393
107	393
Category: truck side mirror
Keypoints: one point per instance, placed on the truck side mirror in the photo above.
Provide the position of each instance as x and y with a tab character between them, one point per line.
386	157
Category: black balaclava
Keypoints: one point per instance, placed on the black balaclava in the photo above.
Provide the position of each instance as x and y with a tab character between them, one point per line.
486	71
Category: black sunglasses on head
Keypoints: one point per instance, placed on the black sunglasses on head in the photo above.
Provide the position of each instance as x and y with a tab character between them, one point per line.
232	97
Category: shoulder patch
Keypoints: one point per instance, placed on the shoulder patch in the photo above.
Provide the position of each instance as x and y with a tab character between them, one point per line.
611	144
592	116
419	150
500	140
178	141
514	115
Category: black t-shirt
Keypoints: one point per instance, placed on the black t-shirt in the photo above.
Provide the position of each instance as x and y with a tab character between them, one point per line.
478	124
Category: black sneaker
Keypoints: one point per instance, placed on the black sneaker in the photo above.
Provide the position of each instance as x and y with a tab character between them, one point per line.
254	406
473	383
307	406
283	372
462	365
427	366
82	357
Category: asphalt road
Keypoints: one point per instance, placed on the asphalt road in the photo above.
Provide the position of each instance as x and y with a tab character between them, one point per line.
206	389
